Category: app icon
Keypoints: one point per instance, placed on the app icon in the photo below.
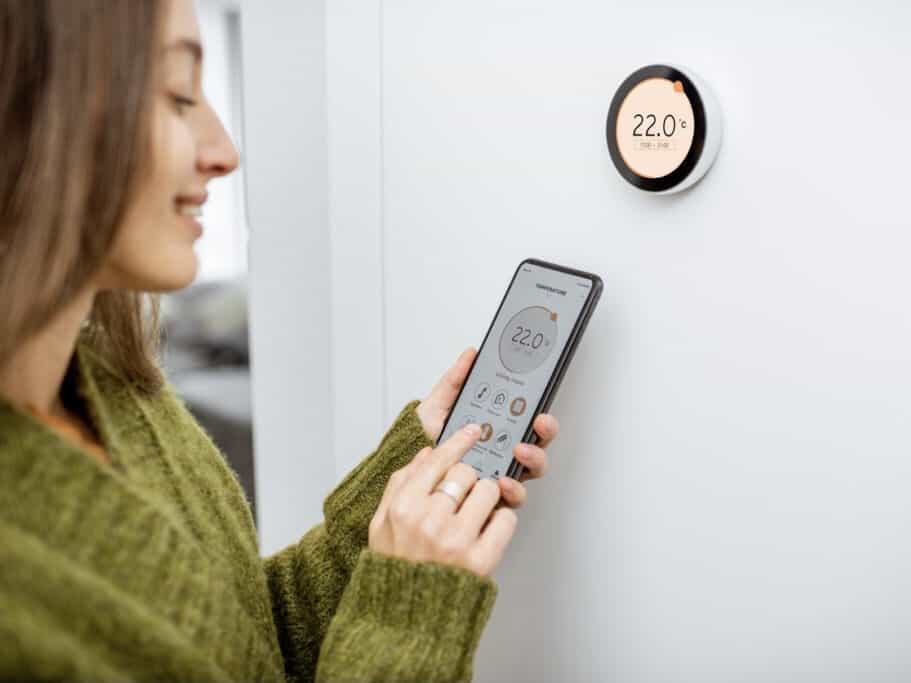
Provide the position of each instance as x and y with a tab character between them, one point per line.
517	407
500	398
486	431
482	392
501	442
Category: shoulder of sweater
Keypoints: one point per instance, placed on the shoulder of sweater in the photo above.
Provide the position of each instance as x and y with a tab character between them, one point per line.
103	370
118	403
181	438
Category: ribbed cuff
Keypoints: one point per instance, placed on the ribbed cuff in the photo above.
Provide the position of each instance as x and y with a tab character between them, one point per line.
443	601
401	621
350	506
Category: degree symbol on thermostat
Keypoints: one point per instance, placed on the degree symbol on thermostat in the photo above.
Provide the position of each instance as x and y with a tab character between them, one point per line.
663	128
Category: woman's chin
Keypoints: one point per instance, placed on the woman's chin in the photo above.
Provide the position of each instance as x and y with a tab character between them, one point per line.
179	279
177	273
164	269
180	269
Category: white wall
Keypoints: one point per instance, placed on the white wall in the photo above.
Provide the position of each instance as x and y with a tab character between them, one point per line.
316	316
285	167
729	496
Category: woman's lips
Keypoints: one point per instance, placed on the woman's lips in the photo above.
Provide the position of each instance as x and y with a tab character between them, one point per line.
189	208
189	212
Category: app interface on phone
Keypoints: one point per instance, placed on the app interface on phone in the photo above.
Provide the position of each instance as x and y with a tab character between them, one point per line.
515	363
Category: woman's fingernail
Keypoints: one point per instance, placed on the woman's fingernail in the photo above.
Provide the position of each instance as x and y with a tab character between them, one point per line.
472	429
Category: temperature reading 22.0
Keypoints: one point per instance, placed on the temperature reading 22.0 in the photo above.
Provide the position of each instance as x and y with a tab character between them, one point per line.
523	333
668	125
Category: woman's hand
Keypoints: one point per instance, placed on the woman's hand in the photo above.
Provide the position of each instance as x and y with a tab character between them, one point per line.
415	523
433	411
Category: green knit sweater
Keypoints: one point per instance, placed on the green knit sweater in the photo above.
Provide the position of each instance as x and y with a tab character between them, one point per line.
149	568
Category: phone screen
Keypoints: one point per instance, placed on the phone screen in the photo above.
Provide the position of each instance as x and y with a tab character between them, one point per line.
515	363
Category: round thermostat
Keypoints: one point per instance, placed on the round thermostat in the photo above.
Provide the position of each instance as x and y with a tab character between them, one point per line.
663	128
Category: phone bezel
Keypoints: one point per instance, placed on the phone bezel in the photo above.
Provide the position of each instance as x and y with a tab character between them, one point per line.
515	468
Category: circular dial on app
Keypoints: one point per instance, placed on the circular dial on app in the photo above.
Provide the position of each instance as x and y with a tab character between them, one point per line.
655	127
528	339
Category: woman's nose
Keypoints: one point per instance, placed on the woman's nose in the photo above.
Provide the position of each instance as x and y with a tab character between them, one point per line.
217	154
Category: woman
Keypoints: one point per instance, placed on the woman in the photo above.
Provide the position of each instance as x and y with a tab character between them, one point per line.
127	549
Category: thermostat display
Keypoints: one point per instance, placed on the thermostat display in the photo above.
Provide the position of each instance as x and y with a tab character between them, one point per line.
663	129
655	127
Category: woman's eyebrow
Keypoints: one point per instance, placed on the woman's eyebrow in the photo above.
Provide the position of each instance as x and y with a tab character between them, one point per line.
190	45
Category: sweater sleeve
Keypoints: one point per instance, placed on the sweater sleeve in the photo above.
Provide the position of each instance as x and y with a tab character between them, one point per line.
344	612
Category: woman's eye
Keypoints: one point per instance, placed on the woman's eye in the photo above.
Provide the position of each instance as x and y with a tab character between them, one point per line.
181	103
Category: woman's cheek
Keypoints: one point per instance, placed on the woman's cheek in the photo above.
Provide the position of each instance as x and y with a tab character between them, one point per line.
179	149
153	251
173	149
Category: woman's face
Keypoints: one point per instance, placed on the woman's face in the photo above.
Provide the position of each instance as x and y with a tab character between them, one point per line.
153	250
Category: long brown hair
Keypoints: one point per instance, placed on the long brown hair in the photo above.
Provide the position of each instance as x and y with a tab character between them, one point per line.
75	81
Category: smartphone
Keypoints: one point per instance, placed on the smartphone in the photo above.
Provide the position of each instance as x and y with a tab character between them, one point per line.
521	362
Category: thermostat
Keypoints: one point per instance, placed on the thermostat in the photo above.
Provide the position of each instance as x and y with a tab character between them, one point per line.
663	128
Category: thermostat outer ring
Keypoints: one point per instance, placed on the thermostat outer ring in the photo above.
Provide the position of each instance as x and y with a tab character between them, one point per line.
690	169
